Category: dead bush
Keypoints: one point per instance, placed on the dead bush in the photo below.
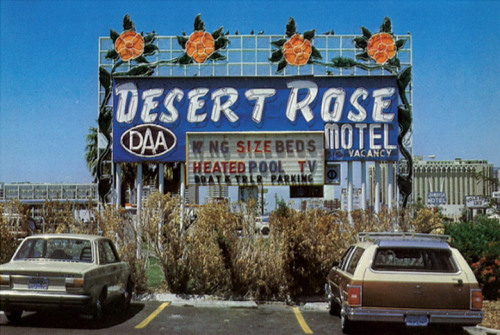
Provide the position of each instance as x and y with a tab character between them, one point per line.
57	217
428	221
196	257
119	226
8	240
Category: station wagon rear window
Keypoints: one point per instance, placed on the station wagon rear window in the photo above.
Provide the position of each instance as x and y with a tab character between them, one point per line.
414	259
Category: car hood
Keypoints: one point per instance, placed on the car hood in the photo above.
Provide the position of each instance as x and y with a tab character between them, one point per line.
44	267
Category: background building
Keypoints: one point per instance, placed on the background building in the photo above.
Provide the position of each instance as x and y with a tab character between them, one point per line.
455	180
36	195
441	183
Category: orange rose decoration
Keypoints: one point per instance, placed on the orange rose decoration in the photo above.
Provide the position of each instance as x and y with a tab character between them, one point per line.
297	50
381	47
129	45
200	46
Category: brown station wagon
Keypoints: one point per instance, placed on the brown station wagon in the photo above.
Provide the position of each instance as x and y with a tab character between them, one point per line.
414	279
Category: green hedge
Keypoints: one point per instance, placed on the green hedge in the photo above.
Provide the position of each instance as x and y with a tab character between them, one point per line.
479	243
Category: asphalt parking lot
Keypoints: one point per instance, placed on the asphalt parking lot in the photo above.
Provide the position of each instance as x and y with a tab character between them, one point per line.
157	315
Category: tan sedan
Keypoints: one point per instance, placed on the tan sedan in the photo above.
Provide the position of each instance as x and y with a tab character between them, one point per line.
59	271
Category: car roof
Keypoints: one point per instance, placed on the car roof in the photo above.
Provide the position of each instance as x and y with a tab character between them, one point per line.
413	244
375	237
75	236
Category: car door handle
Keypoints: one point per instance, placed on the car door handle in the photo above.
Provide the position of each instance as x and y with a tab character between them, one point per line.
460	282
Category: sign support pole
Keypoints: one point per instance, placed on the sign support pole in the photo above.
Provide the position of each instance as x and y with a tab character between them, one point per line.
363	185
349	190
118	185
161	179
183	192
390	187
139	207
377	188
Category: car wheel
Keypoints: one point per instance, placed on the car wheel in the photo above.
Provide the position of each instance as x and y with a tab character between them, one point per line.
13	316
346	324
128	293
333	307
98	310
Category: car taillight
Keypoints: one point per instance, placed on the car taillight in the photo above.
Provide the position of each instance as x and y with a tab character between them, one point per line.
5	280
354	296
74	284
476	299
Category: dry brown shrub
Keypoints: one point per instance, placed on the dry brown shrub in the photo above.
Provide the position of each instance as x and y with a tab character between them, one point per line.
8	240
193	259
310	241
257	267
160	223
121	228
427	221
57	216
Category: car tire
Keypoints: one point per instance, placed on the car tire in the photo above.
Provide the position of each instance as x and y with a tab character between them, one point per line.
348	326
333	307
98	309
127	298
14	315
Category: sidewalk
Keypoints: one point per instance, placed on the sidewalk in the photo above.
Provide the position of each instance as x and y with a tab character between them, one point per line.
209	301
481	331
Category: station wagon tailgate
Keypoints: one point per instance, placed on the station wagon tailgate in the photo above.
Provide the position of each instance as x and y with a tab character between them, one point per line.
420	278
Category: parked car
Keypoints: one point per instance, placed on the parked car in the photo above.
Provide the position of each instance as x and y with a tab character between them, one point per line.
415	279
262	225
61	271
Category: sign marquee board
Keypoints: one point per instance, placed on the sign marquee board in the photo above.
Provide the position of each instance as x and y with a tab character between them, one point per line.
357	115
252	159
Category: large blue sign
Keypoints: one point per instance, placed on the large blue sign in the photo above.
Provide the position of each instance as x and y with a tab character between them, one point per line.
152	115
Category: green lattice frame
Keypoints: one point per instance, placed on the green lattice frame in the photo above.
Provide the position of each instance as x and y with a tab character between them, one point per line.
378	51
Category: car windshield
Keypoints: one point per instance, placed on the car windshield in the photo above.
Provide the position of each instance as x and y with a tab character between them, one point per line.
61	249
414	259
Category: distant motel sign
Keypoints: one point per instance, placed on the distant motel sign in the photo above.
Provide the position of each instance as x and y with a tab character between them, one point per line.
476	202
436	198
250	159
152	115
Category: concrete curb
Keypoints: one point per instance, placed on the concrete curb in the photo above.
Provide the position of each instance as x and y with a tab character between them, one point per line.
478	330
195	301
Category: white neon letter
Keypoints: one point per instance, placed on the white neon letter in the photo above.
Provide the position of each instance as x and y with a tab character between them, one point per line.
361	116
294	105
232	97
123	91
174	94
195	104
380	104
374	136
334	115
149	104
259	94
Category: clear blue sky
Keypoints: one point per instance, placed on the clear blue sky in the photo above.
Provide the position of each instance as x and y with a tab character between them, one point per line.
48	67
